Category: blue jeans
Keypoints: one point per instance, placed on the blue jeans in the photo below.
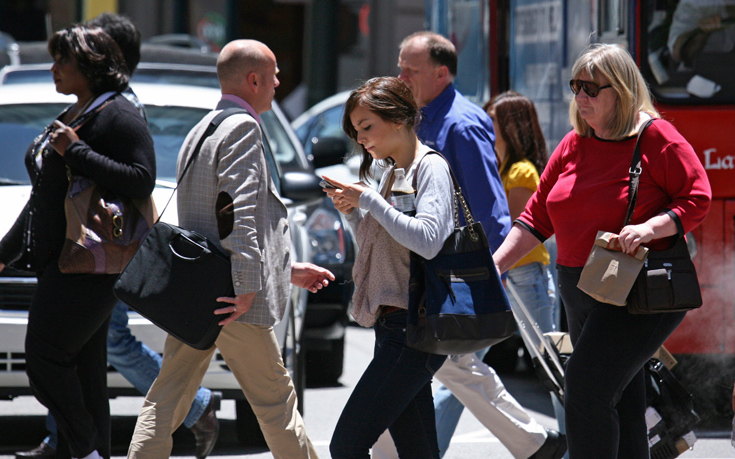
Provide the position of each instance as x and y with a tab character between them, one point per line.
394	393
605	391
138	363
535	285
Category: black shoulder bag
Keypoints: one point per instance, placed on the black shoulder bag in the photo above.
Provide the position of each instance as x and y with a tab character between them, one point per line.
176	276
668	281
456	301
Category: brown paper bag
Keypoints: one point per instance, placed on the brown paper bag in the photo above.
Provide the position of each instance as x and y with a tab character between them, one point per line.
609	274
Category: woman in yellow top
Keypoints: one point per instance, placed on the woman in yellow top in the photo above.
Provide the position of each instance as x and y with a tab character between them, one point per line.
521	150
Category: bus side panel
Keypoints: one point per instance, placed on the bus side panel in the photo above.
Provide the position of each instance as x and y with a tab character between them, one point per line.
702	331
709	130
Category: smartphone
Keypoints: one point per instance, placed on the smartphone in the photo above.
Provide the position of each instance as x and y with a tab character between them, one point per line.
326	184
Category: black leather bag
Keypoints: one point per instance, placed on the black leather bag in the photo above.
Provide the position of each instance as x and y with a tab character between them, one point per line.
174	281
667	283
176	275
668	280
456	301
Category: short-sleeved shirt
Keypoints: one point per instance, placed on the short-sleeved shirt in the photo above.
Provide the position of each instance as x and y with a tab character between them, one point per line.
523	174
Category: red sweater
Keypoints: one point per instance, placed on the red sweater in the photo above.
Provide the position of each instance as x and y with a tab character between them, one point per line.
584	188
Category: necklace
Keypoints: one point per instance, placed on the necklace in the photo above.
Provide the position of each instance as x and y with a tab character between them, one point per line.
79	112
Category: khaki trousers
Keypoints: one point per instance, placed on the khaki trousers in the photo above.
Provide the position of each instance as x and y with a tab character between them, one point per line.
252	354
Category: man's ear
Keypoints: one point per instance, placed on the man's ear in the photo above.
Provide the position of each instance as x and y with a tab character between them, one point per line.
253	81
442	73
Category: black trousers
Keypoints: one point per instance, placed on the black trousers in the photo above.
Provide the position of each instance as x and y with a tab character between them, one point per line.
605	394
66	357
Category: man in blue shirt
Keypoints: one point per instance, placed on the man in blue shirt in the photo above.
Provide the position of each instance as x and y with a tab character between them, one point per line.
457	128
464	134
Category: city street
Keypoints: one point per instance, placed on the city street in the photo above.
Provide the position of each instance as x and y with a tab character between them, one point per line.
22	420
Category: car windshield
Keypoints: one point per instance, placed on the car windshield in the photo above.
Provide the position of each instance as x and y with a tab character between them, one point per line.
326	124
21	123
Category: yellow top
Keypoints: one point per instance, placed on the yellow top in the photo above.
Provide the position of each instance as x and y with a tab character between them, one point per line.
523	174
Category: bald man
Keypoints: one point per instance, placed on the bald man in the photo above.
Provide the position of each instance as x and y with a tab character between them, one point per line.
228	196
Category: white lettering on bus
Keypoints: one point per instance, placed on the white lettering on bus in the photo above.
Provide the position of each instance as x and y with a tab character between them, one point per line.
720	162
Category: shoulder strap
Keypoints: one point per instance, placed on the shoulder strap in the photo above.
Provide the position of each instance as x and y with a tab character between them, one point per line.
216	121
635	174
459	200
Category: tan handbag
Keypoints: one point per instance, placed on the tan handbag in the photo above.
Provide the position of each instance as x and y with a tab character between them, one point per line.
609	274
103	230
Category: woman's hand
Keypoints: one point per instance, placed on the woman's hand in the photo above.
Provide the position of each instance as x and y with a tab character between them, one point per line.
660	226
633	236
61	137
345	197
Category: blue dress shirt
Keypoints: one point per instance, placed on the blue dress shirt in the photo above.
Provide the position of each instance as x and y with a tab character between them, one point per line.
464	134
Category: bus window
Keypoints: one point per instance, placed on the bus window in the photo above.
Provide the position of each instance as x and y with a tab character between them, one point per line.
612	20
688	50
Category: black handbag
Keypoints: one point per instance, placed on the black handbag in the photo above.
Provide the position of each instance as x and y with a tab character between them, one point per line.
457	303
668	280
176	275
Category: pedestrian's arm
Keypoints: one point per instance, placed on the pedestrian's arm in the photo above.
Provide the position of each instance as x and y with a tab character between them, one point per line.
239	163
516	245
310	276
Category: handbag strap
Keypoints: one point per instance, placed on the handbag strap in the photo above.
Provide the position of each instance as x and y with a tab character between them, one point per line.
635	174
213	124
459	200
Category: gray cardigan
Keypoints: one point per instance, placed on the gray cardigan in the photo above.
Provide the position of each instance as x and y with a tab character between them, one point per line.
386	236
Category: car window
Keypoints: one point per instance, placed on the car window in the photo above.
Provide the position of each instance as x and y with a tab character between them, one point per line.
162	76
280	143
169	127
326	124
19	125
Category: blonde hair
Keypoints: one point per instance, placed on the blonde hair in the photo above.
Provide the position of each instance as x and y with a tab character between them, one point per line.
616	65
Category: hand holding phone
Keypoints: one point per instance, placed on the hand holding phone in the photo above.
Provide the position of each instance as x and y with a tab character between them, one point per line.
326	184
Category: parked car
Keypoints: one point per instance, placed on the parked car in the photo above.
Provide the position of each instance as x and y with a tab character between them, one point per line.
319	130
26	108
180	40
330	235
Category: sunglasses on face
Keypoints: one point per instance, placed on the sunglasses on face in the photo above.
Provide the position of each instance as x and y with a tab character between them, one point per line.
590	88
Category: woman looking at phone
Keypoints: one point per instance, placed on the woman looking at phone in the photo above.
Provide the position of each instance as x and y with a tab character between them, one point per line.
394	393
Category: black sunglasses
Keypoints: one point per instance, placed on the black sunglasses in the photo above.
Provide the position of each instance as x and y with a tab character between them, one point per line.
590	88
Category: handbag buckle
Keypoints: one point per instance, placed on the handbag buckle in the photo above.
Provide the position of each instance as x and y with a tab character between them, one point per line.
117	224
667	267
635	172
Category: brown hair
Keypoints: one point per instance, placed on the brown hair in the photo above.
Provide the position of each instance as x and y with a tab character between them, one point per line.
441	50
517	121
98	56
391	100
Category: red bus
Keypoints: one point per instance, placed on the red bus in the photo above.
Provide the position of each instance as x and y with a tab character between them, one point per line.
530	45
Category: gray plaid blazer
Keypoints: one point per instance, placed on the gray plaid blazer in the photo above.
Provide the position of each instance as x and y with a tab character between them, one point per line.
229	197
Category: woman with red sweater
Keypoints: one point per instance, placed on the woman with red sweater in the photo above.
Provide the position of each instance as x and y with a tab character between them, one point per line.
584	189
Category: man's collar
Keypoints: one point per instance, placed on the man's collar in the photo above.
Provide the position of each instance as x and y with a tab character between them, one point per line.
242	103
444	98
